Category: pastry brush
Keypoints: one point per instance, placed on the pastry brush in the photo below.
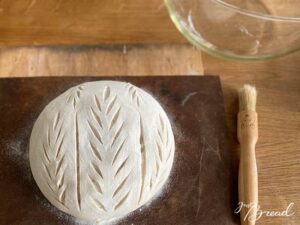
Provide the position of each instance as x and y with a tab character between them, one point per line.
247	136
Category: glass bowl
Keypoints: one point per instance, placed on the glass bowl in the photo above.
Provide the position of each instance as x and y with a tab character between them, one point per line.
239	29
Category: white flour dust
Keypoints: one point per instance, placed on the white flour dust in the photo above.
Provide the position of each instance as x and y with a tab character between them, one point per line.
17	151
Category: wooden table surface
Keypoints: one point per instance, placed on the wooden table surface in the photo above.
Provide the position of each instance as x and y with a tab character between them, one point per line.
277	81
40	22
278	107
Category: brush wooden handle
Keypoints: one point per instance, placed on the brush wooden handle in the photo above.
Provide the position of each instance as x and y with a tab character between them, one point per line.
248	181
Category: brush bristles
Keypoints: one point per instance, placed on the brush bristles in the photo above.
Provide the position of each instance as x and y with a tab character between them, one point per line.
247	98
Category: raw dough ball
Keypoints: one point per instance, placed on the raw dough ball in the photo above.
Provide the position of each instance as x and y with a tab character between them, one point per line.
101	150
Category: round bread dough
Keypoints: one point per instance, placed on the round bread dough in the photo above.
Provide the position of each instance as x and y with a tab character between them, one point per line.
101	149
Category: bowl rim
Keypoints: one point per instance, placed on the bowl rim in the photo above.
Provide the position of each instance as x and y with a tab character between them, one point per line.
193	39
252	13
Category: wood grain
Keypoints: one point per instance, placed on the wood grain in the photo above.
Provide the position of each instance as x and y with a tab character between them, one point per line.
278	107
202	155
40	22
278	84
247	131
105	60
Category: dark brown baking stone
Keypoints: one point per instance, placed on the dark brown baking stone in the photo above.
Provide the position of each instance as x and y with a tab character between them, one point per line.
200	185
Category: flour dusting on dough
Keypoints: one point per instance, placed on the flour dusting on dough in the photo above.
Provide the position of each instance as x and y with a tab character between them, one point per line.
101	150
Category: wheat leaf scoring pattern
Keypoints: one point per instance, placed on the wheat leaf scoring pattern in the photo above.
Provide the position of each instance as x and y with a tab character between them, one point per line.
164	149
143	158
99	205
74	95
121	167
116	135
95	151
59	145
114	118
95	132
97	102
54	162
77	162
107	113
118	151
110	104
56	119
104	152
120	186
134	94
96	185
120	203
97	169
106	93
96	117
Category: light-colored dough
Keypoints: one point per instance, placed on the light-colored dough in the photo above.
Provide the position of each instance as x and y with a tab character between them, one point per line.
101	150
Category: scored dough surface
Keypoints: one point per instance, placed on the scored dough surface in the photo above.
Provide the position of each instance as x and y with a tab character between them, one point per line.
101	149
